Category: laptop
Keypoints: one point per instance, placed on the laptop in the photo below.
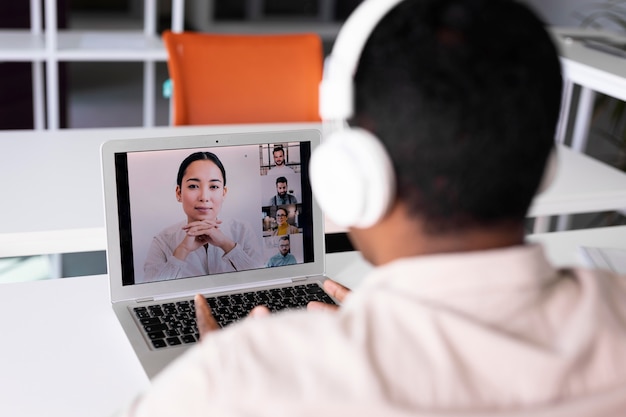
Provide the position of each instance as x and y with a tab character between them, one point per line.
157	263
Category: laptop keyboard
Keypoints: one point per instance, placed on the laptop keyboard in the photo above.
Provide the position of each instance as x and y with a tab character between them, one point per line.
174	323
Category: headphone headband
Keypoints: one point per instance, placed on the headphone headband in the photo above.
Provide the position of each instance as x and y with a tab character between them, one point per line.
336	97
351	173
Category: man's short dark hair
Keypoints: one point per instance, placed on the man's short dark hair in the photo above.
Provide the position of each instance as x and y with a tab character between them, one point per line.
285	237
278	148
281	179
465	95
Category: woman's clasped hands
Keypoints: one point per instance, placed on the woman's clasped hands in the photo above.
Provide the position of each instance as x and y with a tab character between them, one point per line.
203	232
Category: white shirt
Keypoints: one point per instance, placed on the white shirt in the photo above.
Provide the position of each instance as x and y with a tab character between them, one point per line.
161	264
492	330
282	170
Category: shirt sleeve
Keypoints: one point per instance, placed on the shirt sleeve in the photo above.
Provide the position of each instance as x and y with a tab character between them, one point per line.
246	254
161	264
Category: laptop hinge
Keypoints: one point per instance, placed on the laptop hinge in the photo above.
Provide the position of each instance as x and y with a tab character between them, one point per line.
297	279
144	300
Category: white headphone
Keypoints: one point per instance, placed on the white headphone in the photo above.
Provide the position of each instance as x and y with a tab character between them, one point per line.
351	174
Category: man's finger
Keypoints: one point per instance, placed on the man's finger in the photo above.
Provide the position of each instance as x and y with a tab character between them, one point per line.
318	305
204	318
336	290
259	311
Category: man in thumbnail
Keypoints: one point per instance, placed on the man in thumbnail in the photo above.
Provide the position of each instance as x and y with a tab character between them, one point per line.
283	257
279	159
282	197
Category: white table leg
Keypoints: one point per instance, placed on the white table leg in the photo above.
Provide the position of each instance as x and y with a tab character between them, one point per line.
542	224
56	265
566	105
149	96
583	119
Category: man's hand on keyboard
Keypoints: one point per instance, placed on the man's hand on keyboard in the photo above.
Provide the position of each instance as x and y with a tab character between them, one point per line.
332	288
335	290
206	322
204	318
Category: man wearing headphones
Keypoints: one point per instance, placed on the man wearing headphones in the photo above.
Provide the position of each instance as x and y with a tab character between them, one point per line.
455	108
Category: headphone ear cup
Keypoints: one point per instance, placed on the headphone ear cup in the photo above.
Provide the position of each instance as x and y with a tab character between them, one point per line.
352	178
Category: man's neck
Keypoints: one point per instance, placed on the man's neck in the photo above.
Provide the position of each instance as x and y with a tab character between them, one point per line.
400	235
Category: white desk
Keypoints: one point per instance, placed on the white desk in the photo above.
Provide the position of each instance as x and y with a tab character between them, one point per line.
562	248
63	366
594	71
52	194
70	357
582	185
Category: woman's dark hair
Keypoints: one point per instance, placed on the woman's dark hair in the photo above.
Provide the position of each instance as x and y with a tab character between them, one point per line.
199	156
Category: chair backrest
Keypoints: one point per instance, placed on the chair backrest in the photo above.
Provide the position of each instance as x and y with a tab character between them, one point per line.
244	78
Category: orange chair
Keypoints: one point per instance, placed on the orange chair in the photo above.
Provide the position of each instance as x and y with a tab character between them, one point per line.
221	79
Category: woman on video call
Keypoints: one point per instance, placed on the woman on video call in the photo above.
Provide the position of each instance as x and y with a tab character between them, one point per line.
203	244
284	228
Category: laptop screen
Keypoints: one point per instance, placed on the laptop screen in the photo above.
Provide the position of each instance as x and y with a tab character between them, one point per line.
185	213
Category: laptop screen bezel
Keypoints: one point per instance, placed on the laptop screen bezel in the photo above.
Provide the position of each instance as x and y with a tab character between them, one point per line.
206	283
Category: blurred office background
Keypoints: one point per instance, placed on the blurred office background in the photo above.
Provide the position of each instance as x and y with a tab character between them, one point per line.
109	94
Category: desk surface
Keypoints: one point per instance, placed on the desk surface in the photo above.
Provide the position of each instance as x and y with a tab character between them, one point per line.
71	358
52	194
